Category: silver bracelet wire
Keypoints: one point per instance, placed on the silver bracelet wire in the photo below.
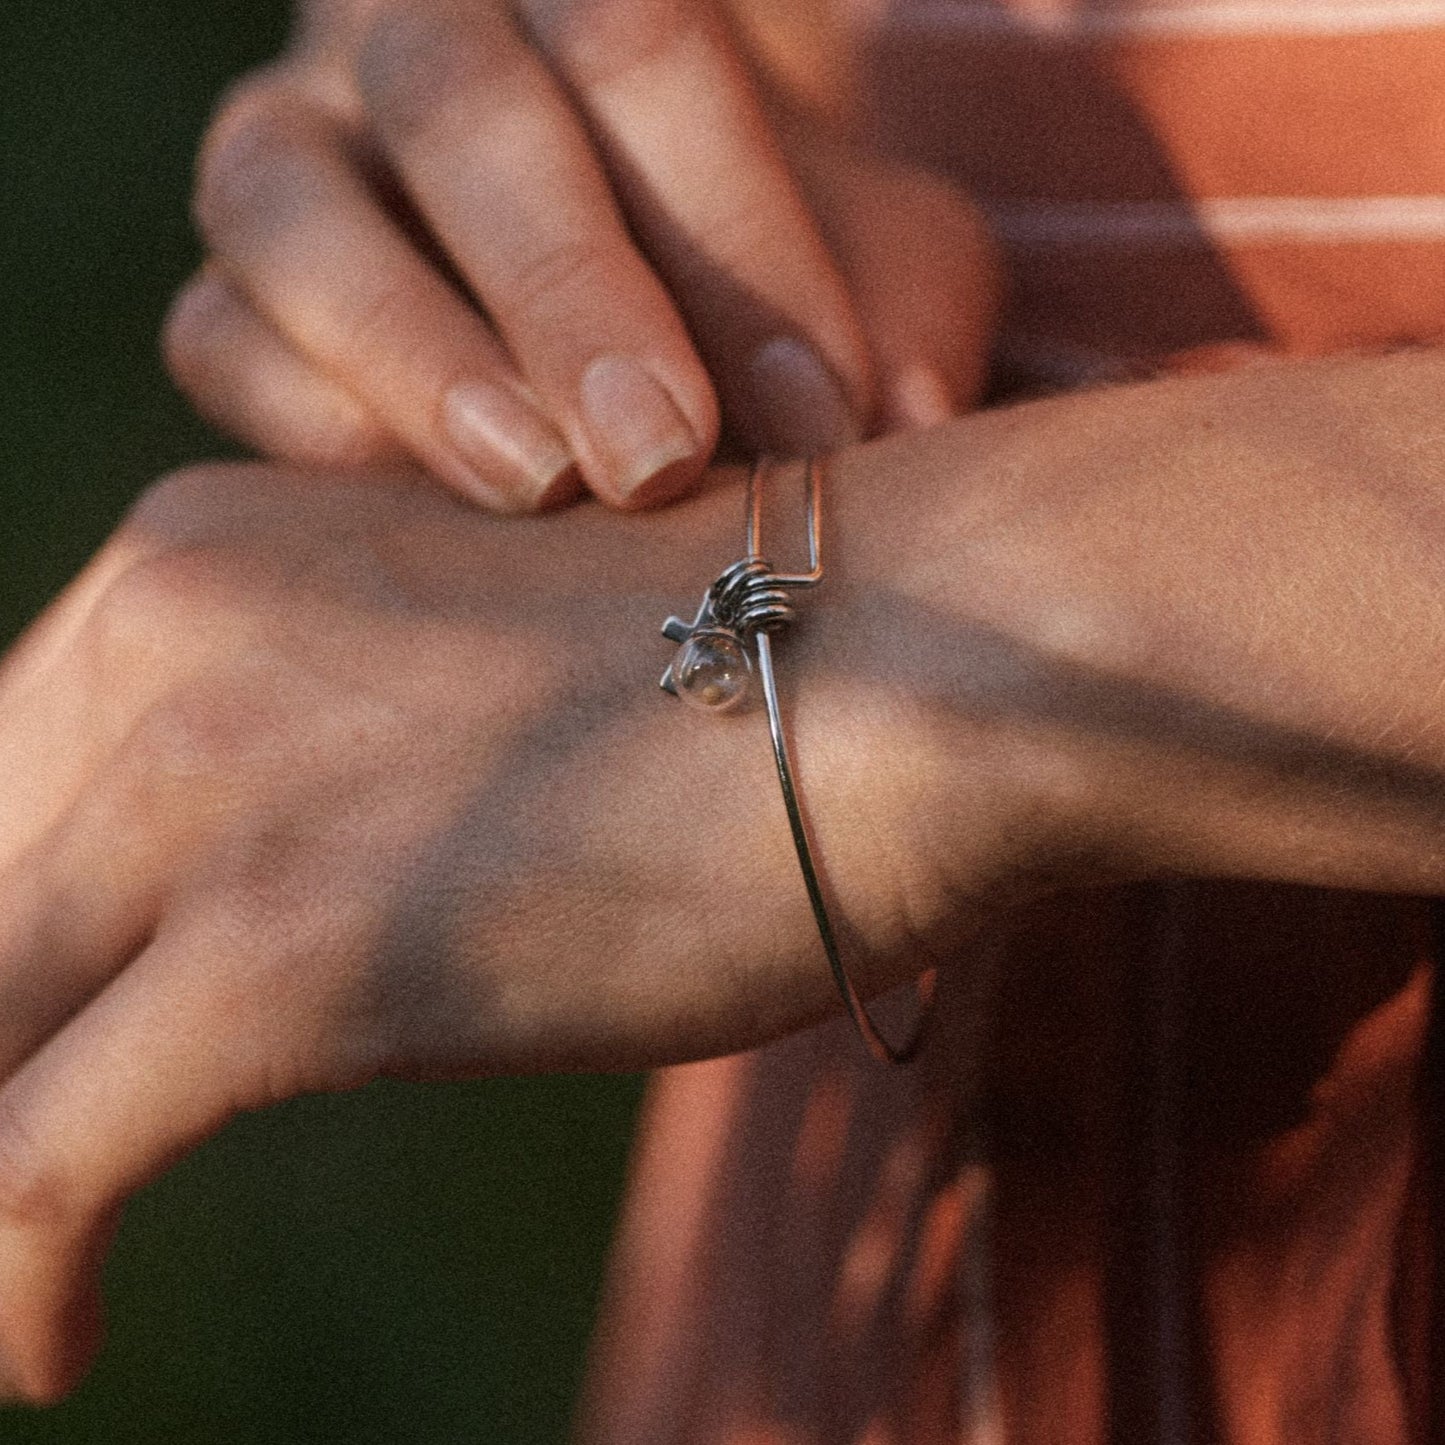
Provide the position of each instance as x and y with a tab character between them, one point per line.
736	621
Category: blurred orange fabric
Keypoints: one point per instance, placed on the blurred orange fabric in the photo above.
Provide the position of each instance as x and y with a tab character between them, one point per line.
1161	1173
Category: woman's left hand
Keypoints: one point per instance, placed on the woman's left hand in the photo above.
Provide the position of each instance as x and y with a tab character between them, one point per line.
306	781
309	780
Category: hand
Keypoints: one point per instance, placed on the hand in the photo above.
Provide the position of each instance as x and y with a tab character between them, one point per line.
305	782
526	243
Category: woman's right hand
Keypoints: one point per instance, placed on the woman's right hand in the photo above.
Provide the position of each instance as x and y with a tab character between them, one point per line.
558	240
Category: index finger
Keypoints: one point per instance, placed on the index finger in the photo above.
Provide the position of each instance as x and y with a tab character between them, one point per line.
501	168
709	192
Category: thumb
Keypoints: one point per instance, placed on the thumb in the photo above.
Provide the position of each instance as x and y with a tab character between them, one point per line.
921	267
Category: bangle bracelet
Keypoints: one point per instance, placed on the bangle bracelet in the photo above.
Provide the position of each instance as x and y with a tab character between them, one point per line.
712	671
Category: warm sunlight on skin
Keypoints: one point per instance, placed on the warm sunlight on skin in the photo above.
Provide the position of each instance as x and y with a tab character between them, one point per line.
401	796
1118	711
640	247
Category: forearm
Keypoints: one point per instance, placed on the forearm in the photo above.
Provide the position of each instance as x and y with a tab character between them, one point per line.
399	795
1207	612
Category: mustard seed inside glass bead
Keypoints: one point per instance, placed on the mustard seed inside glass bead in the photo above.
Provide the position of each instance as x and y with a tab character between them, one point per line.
712	671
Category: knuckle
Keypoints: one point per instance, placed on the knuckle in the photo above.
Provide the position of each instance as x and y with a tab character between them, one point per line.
197	733
128	609
170	505
350	445
258	164
170	592
416	62
597	41
562	279
208	502
381	321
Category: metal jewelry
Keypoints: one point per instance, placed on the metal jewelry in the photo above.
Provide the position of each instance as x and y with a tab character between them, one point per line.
712	671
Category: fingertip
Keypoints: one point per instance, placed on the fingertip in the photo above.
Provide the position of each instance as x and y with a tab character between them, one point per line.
512	497
52	1372
924	273
187	318
53	1381
917	395
52	1314
669	484
564	489
799	404
11	1390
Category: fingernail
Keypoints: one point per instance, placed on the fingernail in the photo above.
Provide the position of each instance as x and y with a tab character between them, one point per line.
489	425
799	405
636	426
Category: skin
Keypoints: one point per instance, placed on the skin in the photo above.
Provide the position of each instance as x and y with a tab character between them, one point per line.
310	779
535	245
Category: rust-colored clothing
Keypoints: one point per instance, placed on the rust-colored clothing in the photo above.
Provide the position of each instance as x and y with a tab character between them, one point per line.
1170	1197
1161	1173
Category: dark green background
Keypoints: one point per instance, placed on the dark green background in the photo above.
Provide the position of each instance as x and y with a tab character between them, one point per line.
403	1264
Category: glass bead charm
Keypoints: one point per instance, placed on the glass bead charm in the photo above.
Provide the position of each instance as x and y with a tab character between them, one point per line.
733	631
712	671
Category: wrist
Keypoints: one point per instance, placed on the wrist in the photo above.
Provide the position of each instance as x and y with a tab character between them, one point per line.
1205	610
922	717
